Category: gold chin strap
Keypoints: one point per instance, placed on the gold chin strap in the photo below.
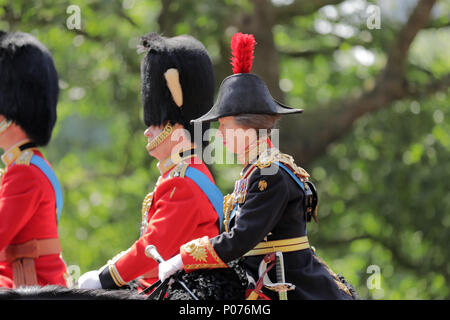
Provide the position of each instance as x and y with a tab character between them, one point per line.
4	125
168	128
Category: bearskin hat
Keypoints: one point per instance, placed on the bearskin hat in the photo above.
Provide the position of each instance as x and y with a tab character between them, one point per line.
28	85
192	91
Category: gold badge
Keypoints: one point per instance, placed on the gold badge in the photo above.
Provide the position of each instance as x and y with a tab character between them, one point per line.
262	185
196	250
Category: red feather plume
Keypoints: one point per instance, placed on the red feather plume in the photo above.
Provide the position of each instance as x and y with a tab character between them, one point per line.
242	46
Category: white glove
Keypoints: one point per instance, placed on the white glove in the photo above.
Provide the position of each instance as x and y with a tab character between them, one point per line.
90	280
169	267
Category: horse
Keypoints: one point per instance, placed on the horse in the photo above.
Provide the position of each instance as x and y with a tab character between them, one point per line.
205	284
208	284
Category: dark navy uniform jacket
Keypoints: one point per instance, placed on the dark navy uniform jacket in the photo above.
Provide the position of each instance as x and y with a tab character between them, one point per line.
273	209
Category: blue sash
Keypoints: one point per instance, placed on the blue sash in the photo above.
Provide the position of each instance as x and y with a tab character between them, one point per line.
296	179
51	176
210	189
232	214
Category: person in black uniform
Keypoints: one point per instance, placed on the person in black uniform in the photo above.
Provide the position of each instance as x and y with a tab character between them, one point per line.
265	217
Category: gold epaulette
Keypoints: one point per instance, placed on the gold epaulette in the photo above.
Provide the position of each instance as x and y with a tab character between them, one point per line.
272	155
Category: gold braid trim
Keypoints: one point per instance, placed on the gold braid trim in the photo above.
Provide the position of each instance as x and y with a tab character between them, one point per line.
168	128
201	250
274	155
147	203
336	279
179	170
25	157
228	205
116	276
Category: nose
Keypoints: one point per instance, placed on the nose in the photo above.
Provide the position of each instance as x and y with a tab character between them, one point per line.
147	132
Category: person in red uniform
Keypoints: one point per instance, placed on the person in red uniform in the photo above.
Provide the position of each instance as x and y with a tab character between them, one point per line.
29	244
177	86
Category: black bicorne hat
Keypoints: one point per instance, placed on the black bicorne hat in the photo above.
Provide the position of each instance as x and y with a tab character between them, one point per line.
244	92
178	80
28	85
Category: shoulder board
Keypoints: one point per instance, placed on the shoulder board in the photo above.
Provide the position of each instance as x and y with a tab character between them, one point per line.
25	157
274	155
266	158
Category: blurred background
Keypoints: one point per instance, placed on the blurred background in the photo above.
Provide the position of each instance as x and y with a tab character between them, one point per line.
372	76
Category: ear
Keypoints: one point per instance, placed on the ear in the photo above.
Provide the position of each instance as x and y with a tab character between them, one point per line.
173	83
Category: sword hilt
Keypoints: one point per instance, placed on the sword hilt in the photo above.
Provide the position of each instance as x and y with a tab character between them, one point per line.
279	267
151	252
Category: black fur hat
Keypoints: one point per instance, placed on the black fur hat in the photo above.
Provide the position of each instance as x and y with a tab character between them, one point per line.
28	85
196	79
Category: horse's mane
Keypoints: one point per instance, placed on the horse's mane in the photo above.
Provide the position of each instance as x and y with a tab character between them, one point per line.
52	292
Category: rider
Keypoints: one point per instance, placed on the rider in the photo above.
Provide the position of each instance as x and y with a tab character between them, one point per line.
29	193
266	215
177	86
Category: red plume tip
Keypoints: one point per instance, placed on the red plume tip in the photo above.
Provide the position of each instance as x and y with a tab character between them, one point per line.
242	46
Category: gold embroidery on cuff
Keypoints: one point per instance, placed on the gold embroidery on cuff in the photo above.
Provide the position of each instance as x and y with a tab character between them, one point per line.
116	276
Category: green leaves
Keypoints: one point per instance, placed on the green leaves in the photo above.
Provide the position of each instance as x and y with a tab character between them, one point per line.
383	186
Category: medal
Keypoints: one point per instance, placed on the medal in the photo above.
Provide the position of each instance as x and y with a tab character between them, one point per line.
240	190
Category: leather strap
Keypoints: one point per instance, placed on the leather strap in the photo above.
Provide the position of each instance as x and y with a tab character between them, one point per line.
22	256
24	272
255	293
31	249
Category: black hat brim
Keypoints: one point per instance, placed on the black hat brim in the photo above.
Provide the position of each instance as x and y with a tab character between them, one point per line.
213	115
244	93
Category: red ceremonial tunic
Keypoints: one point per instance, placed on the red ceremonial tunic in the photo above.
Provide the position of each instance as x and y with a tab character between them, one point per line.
27	212
176	212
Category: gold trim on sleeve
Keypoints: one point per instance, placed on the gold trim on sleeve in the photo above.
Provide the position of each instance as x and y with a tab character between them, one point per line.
116	276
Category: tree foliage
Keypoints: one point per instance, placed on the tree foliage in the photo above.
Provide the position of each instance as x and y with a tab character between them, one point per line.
375	133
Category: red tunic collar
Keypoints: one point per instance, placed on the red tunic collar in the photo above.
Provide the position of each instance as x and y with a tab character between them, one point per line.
14	152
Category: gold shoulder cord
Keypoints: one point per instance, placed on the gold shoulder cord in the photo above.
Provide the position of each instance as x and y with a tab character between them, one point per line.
146	205
228	205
